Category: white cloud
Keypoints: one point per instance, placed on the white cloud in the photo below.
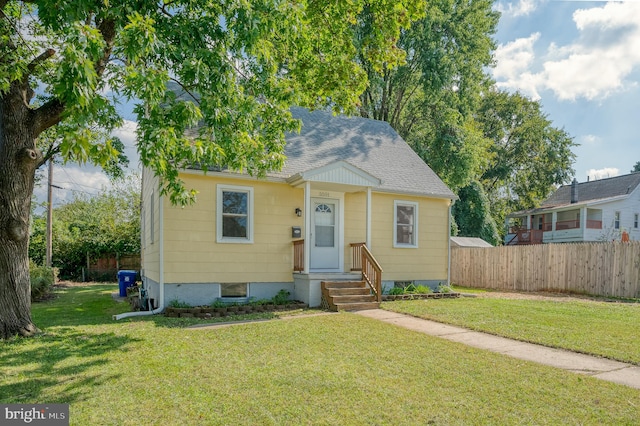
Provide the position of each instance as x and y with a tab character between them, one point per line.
512	62
590	140
595	65
522	8
594	174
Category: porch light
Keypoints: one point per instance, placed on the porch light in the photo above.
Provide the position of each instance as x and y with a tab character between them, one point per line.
298	211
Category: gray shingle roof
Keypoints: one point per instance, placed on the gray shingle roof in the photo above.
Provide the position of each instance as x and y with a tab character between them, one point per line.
594	190
370	145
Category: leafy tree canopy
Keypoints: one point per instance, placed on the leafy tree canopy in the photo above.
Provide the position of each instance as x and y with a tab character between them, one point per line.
529	157
430	99
65	66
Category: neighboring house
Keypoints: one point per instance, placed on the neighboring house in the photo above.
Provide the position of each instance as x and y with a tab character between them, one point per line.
347	182
599	210
469	242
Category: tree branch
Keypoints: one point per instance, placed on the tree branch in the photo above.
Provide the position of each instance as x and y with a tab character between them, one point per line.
46	116
107	28
41	58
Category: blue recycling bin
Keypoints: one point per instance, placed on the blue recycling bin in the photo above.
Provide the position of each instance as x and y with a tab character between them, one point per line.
126	279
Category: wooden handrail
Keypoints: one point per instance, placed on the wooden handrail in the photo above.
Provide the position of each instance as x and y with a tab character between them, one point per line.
356	256
371	272
298	256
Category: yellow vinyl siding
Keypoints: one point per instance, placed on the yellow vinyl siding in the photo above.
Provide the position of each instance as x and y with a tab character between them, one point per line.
355	223
192	254
427	261
150	249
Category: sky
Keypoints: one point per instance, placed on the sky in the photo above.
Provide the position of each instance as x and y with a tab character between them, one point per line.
579	59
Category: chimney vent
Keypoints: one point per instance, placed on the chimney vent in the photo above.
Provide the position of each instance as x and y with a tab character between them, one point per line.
574	191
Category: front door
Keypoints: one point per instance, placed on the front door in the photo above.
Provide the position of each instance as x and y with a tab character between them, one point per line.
325	244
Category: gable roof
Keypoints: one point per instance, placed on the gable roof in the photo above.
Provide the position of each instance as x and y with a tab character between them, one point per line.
594	190
368	145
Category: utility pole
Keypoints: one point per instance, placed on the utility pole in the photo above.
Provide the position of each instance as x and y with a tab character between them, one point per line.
49	215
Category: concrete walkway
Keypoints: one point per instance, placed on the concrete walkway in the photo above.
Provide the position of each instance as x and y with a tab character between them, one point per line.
601	368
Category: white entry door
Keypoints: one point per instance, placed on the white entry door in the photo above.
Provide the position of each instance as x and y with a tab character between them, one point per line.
325	225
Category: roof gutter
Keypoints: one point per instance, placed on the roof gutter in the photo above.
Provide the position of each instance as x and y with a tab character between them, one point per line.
160	307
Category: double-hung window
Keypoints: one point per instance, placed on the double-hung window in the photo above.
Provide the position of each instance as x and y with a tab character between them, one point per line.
616	220
234	216
405	218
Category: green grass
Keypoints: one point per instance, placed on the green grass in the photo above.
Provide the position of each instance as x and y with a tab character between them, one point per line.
330	369
599	328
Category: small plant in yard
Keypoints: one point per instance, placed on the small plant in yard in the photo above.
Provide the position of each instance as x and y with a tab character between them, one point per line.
281	298
175	303
394	291
42	280
423	289
443	288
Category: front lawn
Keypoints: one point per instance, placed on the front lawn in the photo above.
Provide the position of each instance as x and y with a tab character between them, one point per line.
607	329
329	369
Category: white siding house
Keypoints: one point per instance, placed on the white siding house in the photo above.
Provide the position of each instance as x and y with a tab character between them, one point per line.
600	210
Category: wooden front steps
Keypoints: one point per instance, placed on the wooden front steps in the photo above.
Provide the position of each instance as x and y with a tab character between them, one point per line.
347	296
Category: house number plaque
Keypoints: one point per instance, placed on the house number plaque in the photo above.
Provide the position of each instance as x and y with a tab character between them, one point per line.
325	194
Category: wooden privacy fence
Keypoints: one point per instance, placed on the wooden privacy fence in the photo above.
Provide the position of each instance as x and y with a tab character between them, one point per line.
604	269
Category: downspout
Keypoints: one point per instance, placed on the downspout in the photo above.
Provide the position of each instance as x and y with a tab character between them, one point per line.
160	307
449	245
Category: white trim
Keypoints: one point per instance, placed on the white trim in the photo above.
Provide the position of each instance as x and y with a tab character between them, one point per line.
152	218
339	172
339	198
250	209
368	236
307	226
396	204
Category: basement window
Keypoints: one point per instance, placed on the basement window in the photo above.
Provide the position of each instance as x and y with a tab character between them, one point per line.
233	290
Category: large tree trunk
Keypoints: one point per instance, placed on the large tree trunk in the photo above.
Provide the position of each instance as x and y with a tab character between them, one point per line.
19	159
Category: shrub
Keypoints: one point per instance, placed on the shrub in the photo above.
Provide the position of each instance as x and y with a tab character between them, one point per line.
42	280
175	303
443	288
281	298
396	290
423	289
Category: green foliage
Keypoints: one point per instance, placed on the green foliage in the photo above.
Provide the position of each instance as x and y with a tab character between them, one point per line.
175	303
636	167
241	66
42	280
423	289
472	214
410	289
529	157
106	224
281	298
496	150
430	99
443	288
396	290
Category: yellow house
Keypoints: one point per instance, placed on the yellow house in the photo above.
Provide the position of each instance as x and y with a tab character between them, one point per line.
352	195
